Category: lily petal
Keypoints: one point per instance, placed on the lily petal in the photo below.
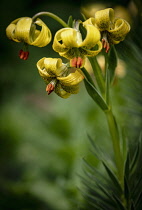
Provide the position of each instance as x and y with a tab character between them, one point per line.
64	39
104	19
61	92
94	52
121	28
10	30
70	38
72	79
21	31
74	89
53	66
69	54
92	38
90	21
42	70
43	37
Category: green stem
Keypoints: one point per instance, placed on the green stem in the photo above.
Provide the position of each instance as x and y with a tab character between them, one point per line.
98	74
116	145
106	61
55	17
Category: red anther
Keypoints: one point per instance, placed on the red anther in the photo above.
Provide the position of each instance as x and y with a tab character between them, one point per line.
76	62
107	47
50	88
106	44
73	62
79	62
23	55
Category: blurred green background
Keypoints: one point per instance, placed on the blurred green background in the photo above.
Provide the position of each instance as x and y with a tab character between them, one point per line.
44	138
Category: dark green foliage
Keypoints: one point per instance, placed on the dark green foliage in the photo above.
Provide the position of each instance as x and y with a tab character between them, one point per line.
103	190
92	91
112	62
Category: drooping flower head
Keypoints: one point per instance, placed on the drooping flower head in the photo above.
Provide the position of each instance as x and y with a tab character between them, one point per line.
59	78
69	43
113	30
24	30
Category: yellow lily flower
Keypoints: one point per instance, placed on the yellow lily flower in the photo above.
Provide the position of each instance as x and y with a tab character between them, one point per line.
59	78
113	30
68	42
24	30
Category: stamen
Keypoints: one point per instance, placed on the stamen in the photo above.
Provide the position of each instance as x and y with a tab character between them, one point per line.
50	87
105	42
76	62
79	62
23	55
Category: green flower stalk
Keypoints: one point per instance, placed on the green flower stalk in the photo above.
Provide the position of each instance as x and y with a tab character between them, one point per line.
75	42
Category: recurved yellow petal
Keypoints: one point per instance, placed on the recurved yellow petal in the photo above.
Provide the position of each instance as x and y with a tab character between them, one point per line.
72	79
104	19
22	29
92	38
61	92
74	89
42	70
69	54
10	30
121	28
64	39
43	37
90	21
53	66
70	38
94	52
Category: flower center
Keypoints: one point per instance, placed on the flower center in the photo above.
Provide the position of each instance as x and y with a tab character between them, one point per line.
76	62
24	53
105	42
51	86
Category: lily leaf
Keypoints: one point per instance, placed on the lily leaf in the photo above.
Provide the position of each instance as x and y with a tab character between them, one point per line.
87	75
119	203
112	62
113	178
92	91
70	21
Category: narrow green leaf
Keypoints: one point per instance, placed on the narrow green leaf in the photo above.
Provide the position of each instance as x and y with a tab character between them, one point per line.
99	202
107	83
124	144
139	198
84	18
132	207
107	193
126	190
119	203
136	188
113	178
87	75
127	167
70	21
98	74
92	91
93	170
112	62
96	150
137	154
